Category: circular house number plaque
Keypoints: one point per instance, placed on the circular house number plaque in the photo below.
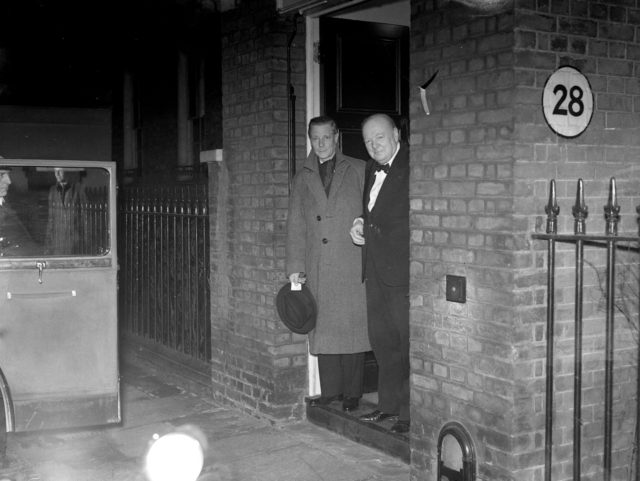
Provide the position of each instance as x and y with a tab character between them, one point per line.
567	102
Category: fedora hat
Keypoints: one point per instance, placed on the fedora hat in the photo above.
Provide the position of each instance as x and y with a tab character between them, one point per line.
297	309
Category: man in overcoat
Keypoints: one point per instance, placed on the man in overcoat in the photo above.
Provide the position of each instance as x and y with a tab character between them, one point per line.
326	195
64	225
383	232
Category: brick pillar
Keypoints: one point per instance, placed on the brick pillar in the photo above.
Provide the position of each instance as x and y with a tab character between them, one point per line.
480	167
257	363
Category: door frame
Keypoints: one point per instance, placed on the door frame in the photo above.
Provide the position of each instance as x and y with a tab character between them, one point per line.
313	110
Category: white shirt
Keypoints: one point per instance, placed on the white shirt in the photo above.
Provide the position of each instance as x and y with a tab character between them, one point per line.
377	184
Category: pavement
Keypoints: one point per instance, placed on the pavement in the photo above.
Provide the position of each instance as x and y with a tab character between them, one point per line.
240	447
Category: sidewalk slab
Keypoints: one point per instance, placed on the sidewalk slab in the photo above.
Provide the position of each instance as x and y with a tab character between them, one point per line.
240	447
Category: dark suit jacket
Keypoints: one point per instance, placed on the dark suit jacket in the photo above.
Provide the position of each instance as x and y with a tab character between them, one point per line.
386	227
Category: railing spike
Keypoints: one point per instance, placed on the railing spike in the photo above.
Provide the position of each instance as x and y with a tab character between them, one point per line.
580	211
612	210
552	209
612	191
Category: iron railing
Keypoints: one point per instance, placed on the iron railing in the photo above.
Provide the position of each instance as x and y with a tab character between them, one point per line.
164	266
80	227
612	242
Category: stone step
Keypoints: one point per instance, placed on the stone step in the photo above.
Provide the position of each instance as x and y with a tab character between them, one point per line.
376	435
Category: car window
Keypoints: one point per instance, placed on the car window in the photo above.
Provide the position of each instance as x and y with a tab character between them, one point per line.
53	211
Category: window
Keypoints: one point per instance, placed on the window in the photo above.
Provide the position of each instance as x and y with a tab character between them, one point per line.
53	211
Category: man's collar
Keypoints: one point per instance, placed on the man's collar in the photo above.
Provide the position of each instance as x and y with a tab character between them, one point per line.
324	161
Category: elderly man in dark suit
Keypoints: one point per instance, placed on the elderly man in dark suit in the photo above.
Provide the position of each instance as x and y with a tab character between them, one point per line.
327	194
383	232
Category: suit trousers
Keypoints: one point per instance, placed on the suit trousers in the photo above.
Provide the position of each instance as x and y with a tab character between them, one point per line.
388	320
341	374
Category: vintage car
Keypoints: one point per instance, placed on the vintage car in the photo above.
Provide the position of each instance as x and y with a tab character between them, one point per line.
58	307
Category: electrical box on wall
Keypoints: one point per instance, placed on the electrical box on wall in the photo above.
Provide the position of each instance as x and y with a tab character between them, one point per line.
456	288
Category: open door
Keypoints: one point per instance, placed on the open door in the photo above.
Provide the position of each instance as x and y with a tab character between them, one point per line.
58	283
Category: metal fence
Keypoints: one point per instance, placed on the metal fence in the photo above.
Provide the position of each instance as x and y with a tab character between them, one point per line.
80	227
611	243
164	266
96	221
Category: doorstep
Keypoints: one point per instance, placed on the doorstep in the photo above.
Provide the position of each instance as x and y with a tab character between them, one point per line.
376	435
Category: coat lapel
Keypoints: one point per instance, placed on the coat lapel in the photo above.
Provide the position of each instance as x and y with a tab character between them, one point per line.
369	179
338	178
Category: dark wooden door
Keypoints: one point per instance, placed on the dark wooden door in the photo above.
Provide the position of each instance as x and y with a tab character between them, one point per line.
364	70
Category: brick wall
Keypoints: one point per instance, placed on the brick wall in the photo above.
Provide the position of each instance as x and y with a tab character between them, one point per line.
481	164
257	363
601	40
462	223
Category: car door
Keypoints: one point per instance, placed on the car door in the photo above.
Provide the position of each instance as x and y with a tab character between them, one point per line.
58	308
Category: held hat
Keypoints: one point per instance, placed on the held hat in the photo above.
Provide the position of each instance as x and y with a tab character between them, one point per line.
297	309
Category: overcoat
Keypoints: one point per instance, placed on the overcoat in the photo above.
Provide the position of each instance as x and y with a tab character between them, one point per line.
319	244
64	227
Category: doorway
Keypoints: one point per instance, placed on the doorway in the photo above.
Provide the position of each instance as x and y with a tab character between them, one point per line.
363	70
356	66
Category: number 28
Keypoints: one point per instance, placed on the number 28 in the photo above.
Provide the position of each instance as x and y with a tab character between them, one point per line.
575	104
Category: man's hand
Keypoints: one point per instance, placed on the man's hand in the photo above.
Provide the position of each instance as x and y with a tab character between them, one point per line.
357	231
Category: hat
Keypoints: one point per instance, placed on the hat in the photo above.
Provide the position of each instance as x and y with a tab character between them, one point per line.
297	309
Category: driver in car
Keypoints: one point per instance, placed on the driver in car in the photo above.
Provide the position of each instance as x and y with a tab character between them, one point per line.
14	238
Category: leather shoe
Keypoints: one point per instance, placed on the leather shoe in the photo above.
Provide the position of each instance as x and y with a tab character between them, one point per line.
376	416
324	400
400	427
350	404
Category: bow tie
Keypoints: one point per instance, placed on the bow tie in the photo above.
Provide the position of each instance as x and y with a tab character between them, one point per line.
385	168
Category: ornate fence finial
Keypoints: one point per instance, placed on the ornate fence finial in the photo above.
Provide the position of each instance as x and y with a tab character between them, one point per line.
552	209
612	210
580	211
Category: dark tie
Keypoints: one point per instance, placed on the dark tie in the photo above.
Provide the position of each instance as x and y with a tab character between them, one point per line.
384	168
327	169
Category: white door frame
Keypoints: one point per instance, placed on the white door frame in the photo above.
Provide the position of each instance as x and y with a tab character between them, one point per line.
312	110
